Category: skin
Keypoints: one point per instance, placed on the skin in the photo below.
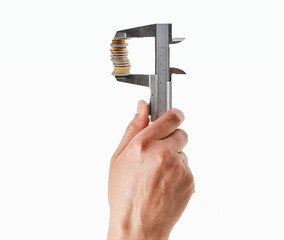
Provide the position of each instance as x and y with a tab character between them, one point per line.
150	182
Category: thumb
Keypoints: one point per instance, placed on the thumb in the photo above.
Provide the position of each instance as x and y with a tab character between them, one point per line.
139	122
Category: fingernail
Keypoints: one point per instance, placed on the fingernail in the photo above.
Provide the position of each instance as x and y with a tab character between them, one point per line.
138	108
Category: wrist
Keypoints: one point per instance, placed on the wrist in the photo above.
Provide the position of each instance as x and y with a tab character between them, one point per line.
128	232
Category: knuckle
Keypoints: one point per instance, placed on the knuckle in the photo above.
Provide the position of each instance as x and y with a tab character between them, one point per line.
162	156
190	182
179	167
140	145
131	126
144	120
183	156
138	123
183	134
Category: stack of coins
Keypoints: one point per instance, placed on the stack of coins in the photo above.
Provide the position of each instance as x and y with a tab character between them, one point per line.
119	58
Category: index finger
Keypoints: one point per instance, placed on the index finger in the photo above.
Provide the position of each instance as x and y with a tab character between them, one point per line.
164	125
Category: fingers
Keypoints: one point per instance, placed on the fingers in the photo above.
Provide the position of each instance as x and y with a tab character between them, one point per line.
140	121
164	125
190	178
177	140
183	157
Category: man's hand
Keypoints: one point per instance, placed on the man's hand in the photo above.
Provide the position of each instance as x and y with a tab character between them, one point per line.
150	182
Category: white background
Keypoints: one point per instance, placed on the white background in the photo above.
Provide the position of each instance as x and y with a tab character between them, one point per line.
62	114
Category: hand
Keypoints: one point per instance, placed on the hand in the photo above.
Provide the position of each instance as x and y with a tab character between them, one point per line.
150	182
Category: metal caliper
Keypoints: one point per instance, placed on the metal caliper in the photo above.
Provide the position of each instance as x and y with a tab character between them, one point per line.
160	83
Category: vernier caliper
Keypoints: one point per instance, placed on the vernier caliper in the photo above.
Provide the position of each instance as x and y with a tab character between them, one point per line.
160	83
